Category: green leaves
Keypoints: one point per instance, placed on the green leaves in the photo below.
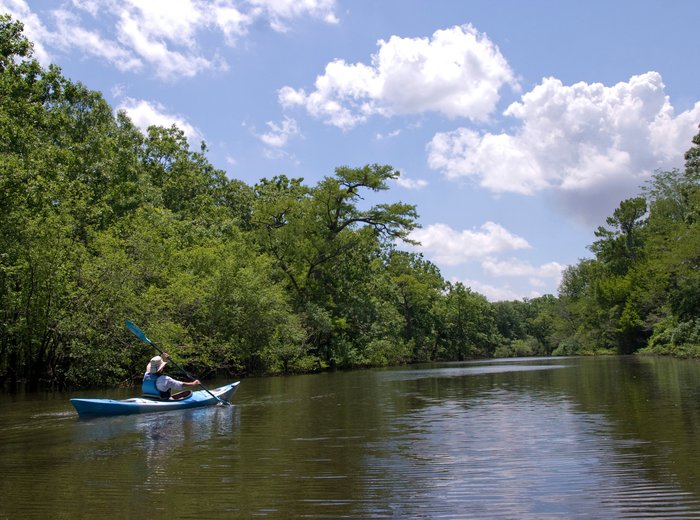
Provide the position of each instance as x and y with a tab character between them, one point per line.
101	223
619	248
644	280
13	44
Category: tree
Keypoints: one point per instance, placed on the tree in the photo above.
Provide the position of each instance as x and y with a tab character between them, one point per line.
324	244
468	325
310	229
642	288
692	160
417	287
620	247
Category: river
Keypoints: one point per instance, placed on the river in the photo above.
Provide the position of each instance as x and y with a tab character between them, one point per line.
609	437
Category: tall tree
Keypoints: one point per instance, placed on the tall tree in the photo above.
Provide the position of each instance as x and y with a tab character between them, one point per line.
620	247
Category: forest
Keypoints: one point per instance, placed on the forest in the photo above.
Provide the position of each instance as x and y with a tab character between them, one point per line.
101	222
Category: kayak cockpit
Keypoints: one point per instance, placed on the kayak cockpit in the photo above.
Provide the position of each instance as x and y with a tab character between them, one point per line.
185	394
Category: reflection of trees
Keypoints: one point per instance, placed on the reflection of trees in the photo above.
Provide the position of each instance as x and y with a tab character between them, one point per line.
151	458
650	399
397	442
649	404
594	427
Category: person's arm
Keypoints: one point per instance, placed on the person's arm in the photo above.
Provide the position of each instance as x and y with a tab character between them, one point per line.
168	383
166	357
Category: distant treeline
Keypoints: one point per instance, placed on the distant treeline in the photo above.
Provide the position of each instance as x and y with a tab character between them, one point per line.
100	223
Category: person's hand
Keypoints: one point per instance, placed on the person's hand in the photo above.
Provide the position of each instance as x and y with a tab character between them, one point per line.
195	382
166	356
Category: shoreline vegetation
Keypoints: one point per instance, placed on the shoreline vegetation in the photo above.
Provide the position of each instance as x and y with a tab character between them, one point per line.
102	222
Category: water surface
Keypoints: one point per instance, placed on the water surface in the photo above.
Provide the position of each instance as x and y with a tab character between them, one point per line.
527	438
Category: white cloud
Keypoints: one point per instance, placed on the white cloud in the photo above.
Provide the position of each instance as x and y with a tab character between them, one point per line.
513	267
144	114
491	292
590	144
232	22
70	34
450	247
457	72
144	39
394	133
90	6
280	133
163	35
411	184
173	20
279	11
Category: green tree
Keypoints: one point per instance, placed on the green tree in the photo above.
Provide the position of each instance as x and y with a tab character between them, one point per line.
417	287
620	247
99	222
468	325
642	288
323	241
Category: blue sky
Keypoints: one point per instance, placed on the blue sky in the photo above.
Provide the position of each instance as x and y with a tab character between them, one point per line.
517	126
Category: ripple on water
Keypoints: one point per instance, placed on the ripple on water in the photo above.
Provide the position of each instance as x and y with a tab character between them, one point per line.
513	455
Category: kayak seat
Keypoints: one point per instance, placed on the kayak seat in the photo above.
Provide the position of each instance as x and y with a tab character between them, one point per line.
181	395
153	397
176	397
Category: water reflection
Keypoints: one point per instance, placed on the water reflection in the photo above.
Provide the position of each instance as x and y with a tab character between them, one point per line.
150	459
461	371
197	424
512	454
544	438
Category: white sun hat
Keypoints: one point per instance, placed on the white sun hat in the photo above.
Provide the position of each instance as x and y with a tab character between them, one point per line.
155	365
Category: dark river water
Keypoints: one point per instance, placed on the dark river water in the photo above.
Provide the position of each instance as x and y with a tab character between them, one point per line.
614	437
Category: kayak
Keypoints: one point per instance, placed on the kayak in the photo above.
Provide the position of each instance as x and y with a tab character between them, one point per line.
197	399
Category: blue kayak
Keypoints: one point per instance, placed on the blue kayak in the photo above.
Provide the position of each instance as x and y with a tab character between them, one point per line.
199	398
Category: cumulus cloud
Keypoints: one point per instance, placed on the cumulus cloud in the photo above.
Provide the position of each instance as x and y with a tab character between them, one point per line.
450	247
280	133
591	145
232	22
458	72
162	35
144	114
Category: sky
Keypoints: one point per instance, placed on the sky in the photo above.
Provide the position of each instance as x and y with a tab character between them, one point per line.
517	126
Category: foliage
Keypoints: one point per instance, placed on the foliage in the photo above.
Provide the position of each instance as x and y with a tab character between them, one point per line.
468	326
642	289
101	222
677	339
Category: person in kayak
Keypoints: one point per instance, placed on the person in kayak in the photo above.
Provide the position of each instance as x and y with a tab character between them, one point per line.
156	384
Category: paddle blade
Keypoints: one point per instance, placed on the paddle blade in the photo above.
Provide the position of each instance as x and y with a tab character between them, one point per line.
136	331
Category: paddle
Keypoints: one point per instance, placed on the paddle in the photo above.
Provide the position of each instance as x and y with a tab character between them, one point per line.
140	334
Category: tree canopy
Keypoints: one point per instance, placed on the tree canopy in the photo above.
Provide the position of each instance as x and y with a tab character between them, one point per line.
101	222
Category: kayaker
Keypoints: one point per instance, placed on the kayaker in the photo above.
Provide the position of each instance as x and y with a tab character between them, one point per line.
157	384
